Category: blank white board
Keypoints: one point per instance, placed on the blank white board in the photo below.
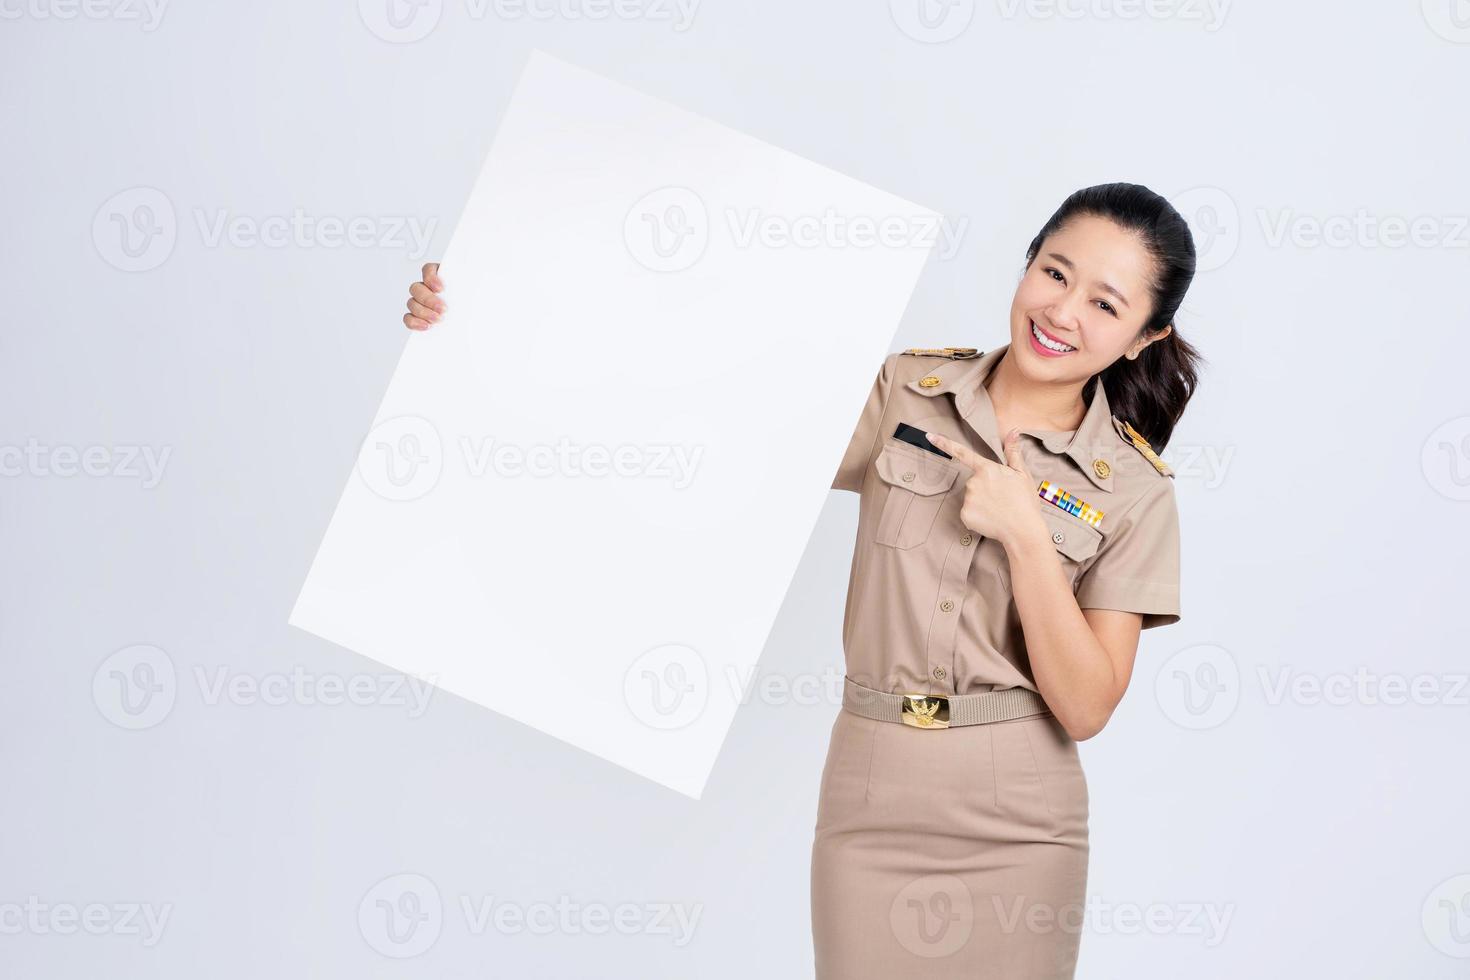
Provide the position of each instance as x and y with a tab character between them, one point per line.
587	489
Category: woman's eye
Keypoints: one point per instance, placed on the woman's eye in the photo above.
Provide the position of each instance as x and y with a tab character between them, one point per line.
1107	306
1055	274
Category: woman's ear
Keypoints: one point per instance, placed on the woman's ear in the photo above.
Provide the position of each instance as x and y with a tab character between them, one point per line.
1137	348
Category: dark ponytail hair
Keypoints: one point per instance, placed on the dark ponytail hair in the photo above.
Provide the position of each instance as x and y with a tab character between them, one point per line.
1149	392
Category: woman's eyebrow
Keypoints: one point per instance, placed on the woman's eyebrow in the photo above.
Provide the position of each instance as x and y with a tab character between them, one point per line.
1105	286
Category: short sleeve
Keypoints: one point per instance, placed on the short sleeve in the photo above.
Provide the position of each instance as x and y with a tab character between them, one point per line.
1137	569
865	434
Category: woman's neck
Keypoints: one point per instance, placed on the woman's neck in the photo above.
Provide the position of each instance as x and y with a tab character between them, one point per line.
1025	404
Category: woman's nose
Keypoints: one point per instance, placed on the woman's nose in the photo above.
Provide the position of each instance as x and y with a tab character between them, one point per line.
1063	317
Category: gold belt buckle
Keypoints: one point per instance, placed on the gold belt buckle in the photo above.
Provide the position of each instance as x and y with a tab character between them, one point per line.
926	710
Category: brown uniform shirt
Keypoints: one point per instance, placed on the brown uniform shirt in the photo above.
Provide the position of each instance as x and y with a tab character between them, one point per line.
929	603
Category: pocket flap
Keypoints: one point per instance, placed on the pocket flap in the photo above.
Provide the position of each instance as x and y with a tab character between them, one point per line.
1073	538
923	473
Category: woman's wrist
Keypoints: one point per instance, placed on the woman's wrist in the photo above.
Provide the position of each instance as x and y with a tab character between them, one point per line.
1031	539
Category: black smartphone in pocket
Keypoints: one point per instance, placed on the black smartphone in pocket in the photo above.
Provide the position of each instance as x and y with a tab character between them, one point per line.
916	437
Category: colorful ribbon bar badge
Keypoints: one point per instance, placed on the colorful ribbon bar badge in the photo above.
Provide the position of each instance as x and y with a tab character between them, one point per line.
1063	500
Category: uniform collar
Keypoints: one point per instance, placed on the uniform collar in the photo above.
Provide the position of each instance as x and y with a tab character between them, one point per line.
1091	447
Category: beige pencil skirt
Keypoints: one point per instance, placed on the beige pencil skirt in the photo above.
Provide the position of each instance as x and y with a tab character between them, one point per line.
957	852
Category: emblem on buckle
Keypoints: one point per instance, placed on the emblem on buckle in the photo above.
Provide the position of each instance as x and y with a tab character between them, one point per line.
926	710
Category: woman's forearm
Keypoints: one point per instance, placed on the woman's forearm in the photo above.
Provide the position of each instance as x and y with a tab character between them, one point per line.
1070	666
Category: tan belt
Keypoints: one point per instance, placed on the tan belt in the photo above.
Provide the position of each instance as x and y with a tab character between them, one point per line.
942	710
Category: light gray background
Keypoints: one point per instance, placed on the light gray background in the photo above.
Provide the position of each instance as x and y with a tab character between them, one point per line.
1324	470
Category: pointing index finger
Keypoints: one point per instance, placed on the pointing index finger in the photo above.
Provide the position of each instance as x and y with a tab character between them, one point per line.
959	451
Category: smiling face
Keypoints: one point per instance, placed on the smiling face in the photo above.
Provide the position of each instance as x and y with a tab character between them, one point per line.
1083	302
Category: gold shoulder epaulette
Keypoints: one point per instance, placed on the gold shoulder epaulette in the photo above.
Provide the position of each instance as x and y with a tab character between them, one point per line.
955	353
1141	444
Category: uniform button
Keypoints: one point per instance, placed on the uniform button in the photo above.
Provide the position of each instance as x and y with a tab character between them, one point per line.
1058	537
967	539
1101	468
908	477
929	382
947	605
939	673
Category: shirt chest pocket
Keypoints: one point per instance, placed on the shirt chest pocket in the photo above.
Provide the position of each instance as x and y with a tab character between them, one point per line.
1075	540
915	485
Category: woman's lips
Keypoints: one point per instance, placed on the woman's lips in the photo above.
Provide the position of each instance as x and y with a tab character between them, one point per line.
1036	334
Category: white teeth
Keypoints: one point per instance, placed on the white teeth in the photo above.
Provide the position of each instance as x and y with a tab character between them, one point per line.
1047	342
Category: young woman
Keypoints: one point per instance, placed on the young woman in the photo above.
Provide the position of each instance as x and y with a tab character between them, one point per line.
997	591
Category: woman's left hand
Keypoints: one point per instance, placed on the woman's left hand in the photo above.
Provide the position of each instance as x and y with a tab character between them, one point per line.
1000	499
